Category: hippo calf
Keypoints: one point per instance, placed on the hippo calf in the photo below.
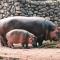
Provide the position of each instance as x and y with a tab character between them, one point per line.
21	36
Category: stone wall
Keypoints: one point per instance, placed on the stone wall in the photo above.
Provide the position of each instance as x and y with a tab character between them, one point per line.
49	10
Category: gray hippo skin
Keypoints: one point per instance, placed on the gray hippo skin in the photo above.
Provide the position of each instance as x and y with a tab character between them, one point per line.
38	26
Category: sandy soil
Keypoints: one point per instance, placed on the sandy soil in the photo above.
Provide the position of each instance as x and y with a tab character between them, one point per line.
31	54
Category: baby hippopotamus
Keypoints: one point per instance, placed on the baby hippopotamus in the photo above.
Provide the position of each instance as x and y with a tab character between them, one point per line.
20	36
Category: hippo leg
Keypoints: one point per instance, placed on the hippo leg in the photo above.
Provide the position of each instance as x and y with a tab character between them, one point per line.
26	45
34	44
10	44
4	41
30	46
1	39
39	42
22	45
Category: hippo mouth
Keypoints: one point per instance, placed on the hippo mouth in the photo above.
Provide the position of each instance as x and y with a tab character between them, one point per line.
55	38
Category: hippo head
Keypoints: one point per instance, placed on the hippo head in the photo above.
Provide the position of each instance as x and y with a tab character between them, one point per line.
51	30
32	39
53	34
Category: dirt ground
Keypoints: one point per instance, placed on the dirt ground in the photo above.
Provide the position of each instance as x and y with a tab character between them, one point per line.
48	51
31	54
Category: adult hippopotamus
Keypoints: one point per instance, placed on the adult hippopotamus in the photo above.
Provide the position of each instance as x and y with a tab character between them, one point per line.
20	36
38	26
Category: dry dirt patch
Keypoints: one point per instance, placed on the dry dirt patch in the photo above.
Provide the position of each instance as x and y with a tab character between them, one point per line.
31	54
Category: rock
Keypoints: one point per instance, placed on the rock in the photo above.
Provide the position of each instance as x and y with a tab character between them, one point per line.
30	12
17	7
30	8
2	11
17	3
1	16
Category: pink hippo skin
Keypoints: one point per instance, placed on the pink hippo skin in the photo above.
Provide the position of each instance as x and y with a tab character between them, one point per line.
17	36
